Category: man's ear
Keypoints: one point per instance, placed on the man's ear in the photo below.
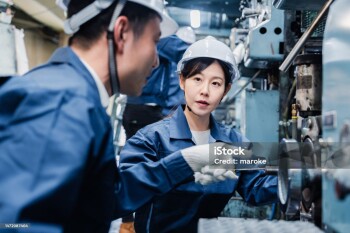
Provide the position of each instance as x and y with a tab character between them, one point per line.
122	29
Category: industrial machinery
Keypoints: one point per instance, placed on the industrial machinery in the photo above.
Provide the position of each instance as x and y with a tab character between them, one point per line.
14	58
294	93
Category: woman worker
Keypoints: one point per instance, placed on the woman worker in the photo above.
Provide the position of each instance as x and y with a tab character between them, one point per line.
206	73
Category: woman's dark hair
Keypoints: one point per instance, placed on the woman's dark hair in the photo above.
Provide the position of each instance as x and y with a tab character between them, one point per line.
197	65
90	31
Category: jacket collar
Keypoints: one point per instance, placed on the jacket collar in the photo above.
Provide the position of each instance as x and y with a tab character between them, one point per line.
66	55
179	128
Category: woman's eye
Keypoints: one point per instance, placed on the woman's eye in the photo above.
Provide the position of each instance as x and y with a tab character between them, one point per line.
197	79
217	84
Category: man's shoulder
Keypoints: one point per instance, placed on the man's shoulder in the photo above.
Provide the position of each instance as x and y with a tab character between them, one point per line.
35	91
54	73
56	77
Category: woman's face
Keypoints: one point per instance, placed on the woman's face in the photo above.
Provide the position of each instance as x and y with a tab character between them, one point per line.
204	91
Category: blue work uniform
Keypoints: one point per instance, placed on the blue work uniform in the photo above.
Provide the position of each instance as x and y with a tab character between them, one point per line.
57	166
179	209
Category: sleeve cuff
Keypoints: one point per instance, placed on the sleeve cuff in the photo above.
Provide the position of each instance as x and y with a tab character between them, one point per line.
177	168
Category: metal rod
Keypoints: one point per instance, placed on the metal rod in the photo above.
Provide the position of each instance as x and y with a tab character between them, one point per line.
296	49
271	171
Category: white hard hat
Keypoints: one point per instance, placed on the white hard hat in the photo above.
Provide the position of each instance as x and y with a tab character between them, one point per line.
211	48
168	25
186	34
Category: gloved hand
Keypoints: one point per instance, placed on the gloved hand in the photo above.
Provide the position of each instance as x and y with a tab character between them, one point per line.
208	175
197	158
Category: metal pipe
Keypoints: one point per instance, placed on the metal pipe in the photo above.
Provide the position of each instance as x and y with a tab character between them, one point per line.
271	170
296	49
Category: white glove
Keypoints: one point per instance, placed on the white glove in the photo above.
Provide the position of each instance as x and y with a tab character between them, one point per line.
208	175
197	157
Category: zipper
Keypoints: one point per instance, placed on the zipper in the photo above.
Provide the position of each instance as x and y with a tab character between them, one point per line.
149	218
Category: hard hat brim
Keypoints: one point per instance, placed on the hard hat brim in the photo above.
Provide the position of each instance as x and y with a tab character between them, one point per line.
168	26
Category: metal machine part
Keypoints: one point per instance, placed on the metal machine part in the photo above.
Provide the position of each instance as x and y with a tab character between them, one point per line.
8	50
226	225
312	128
301	42
311	182
14	59
299	188
261	116
307	17
238	208
298	4
116	113
308	73
289	180
294	120
289	189
311	149
265	39
311	196
311	190
309	154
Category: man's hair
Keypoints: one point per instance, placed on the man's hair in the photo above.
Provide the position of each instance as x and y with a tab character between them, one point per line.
197	65
92	30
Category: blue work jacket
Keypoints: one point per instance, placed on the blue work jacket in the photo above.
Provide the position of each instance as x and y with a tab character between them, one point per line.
179	209
162	86
57	166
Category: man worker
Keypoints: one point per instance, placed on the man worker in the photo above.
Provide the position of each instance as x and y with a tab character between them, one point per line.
57	166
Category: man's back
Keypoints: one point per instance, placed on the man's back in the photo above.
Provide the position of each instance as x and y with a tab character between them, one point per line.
55	149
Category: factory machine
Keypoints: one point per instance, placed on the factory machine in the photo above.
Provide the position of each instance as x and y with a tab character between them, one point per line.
293	98
14	57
